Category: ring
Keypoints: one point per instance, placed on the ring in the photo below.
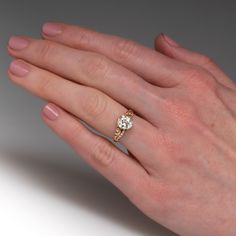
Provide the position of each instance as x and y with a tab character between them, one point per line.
124	122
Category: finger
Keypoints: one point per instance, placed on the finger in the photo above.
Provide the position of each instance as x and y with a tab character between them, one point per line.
154	67
164	44
91	105
124	172
228	96
89	69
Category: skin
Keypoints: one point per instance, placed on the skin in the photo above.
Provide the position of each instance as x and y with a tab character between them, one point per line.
181	171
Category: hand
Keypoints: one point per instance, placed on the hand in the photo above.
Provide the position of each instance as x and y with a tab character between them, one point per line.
182	167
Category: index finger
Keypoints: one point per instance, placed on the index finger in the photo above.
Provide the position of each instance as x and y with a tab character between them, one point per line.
154	67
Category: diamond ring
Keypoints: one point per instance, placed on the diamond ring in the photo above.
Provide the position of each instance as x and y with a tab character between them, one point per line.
124	122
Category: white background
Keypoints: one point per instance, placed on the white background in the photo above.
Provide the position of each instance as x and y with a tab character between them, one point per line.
49	195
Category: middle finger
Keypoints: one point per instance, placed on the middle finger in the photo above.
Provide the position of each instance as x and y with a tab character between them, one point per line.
90	69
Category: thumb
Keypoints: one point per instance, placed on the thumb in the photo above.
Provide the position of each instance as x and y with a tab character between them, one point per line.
167	46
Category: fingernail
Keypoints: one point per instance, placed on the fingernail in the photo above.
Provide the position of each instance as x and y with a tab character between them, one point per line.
19	68
51	112
18	43
52	29
170	41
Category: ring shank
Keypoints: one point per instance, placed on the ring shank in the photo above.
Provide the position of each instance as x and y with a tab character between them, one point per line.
118	134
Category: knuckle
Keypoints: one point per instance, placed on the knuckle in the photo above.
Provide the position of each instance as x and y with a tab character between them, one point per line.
159	191
72	134
180	109
44	85
123	49
138	187
97	67
45	50
147	190
164	140
94	104
103	152
206	60
193	72
82	39
200	79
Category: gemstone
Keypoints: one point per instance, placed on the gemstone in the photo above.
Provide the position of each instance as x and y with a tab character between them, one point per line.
125	122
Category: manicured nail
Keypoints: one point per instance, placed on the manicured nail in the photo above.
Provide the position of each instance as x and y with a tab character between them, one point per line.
18	43
51	112
19	68
170	41
52	29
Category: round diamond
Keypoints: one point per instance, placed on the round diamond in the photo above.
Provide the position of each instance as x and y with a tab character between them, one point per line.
125	122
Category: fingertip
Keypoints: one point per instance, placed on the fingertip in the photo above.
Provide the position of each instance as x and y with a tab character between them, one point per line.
17	43
51	29
160	43
171	42
19	68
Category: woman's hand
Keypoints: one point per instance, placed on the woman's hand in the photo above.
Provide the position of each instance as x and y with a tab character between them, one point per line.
181	170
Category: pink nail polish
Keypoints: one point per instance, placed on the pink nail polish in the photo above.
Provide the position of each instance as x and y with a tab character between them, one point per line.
170	41
52	29
19	68
51	112
18	43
